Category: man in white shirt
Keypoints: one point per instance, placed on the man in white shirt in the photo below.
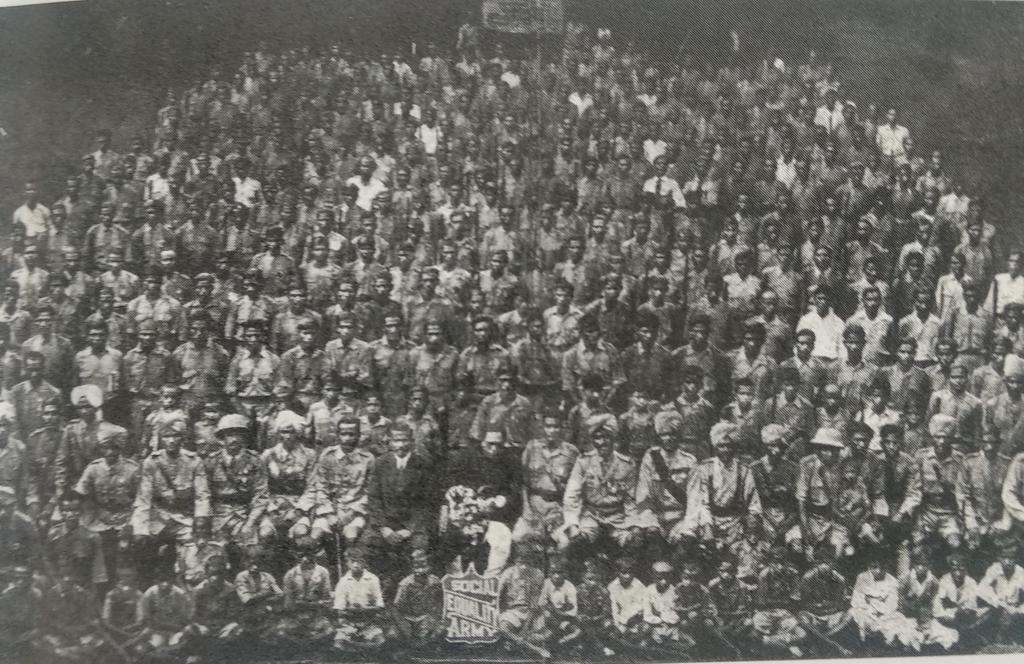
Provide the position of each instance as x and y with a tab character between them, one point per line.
874	607
661	187
923	326
360	604
827	327
33	216
428	133
890	137
248	190
1006	287
830	114
956	602
654	146
158	185
366	183
628	597
581	99
1002	587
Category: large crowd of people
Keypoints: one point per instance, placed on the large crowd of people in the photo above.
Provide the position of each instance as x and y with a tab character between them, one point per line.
674	350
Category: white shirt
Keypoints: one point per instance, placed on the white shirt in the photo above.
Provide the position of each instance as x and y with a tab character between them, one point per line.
361	593
247	191
582	103
35	220
654	148
367	190
660	606
828	334
401	462
158	188
949	597
952	205
785	172
414	110
511	78
873	597
666	186
925	332
626	602
890	140
876	421
830	119
429	137
999	590
876	332
1009	289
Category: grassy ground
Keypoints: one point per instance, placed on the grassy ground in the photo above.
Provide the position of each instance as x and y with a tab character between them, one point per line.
69	69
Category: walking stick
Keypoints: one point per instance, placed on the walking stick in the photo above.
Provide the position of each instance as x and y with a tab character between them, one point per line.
337	551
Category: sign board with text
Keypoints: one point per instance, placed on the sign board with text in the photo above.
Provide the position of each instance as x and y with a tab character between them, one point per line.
470	608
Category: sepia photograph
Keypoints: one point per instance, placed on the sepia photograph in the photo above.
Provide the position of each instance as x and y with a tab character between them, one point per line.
511	331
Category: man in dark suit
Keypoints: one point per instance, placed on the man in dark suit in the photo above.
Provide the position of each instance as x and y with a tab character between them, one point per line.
400	499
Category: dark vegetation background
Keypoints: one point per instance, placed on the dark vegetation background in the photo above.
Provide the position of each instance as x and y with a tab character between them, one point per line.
69	69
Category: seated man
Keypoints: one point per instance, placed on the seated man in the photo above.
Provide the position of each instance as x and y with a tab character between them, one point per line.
775	477
166	612
238	484
818	488
599	498
732	601
336	493
288	465
660	617
519	592
73	546
694	603
360	606
874	608
173	494
823	592
559	608
217	603
722	500
257	590
627	594
307	599
1002	589
417	608
775	625
956	601
120	612
937	492
663	478
489	467
546	465
398	503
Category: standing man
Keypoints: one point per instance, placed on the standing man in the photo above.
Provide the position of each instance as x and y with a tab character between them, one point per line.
108	489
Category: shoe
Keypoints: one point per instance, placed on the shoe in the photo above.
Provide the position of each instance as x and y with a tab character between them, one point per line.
608	652
795	651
